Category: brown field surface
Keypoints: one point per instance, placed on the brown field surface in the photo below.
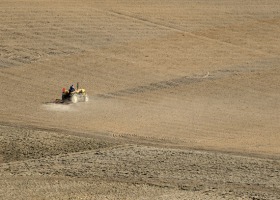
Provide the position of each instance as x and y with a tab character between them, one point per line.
184	99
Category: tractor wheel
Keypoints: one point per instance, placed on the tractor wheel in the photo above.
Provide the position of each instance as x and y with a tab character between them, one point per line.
86	99
74	98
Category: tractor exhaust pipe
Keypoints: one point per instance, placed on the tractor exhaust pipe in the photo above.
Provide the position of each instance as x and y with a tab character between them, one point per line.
77	85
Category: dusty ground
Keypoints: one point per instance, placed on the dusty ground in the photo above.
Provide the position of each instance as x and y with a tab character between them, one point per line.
184	99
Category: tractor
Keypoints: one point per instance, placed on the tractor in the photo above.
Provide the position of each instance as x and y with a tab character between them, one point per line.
74	96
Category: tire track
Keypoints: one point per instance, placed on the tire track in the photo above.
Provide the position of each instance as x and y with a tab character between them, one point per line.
166	84
176	29
173	83
177	82
61	38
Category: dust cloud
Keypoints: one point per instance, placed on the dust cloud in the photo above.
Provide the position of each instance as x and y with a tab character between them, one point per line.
59	107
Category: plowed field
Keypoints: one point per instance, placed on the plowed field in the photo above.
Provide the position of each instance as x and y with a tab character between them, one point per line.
167	80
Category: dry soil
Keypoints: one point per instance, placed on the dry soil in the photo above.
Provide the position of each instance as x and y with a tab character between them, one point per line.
184	99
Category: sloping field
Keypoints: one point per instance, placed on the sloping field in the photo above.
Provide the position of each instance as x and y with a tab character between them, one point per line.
48	165
209	80
161	76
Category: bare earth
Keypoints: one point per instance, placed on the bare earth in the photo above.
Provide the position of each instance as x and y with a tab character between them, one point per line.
184	99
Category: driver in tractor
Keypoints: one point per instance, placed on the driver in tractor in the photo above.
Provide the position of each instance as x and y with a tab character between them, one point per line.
71	89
